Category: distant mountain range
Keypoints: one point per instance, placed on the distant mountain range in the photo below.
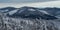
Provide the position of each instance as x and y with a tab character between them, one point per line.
31	12
53	11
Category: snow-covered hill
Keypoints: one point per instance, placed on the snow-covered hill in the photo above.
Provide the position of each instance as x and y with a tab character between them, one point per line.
29	18
7	9
30	12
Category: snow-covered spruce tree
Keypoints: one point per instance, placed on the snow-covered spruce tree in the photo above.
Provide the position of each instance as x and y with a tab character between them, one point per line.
27	24
3	25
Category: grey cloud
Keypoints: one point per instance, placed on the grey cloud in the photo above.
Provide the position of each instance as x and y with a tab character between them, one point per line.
22	1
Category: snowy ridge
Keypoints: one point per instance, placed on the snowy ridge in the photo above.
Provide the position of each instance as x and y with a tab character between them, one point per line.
28	12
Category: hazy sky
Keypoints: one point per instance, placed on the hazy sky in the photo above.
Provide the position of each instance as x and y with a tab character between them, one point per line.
23	1
38	4
32	3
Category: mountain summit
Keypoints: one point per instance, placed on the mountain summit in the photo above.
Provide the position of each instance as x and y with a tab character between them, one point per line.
30	12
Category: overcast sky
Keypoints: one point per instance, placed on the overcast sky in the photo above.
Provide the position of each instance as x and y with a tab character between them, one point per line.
23	1
32	3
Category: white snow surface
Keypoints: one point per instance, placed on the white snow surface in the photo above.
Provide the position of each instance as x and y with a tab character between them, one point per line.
31	10
12	12
43	11
4	10
21	11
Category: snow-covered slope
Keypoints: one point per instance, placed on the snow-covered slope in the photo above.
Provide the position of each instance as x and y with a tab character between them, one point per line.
12	12
9	23
27	12
7	9
53	11
30	12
